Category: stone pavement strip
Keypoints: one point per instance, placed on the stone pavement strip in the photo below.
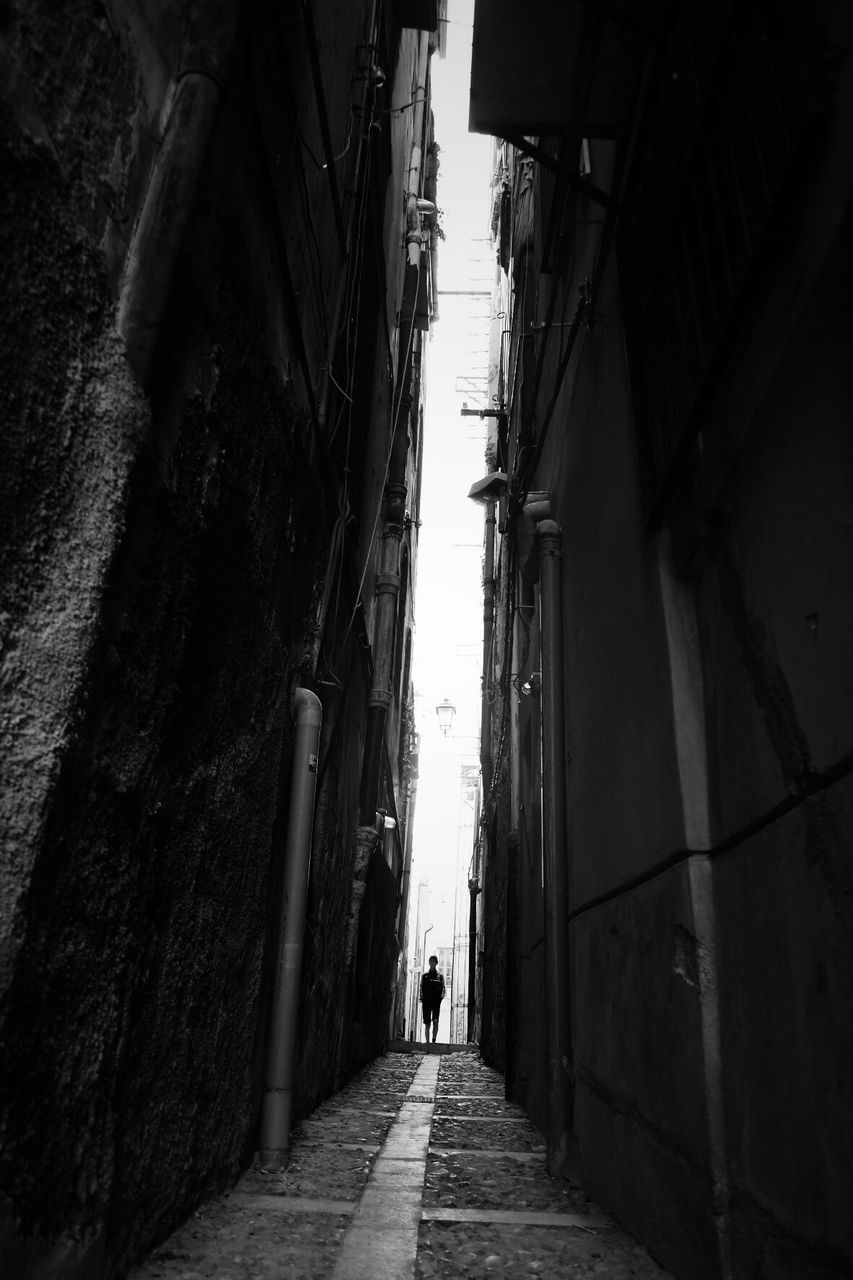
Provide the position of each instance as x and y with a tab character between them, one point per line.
418	1170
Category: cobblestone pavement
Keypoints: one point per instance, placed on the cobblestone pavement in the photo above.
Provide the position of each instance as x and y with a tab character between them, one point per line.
419	1170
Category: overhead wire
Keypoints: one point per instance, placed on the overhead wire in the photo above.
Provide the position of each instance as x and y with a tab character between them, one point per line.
402	363
392	436
351	315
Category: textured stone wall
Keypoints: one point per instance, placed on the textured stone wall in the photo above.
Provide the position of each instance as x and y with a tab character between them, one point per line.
164	539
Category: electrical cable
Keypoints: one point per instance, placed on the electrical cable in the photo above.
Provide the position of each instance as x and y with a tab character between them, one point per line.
347	407
401	380
390	111
387	462
315	259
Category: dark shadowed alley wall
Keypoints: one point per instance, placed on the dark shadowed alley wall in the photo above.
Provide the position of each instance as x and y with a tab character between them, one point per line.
677	387
202	240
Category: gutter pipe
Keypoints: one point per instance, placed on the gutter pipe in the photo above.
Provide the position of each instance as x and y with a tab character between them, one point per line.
549	539
485	745
402	922
278	1095
474	889
161	226
488	627
413	218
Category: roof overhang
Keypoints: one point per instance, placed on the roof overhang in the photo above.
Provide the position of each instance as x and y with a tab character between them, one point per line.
553	67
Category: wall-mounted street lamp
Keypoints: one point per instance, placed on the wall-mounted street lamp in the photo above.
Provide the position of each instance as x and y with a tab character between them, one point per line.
445	712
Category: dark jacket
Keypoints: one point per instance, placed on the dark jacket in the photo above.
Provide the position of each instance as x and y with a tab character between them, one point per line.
432	988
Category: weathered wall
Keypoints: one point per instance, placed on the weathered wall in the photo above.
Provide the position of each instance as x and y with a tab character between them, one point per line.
639	1108
776	608
165	539
710	1019
708	708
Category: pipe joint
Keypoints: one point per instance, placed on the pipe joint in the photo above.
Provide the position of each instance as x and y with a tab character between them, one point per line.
307	708
281	1050
549	538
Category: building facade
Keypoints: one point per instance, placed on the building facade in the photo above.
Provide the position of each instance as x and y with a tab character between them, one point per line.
665	916
217	231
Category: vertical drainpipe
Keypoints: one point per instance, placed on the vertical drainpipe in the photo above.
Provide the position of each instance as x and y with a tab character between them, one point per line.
407	858
549	540
474	888
278	1095
485	740
161	226
488	627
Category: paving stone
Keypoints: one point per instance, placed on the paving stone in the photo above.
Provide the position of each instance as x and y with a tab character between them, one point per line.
235	1241
448	1251
407	1174
489	1108
455	1179
475	1134
317	1170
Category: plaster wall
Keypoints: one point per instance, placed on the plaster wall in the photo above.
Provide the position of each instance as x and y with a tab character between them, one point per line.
640	1114
740	1128
774	595
710	995
618	705
785	997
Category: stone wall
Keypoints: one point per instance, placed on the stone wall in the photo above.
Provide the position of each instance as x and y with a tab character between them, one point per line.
169	518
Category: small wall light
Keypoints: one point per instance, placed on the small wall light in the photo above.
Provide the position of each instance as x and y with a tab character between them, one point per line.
532	685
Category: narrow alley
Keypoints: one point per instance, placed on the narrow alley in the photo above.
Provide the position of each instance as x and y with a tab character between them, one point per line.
426	539
419	1168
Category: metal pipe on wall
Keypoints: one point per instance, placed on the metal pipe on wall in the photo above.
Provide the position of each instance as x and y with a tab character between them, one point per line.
473	889
403	909
166	207
488	627
278	1094
413	189
549	540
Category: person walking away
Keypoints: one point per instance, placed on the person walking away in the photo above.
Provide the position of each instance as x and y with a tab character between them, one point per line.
432	994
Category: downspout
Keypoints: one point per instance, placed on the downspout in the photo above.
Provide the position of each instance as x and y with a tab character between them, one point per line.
485	739
413	220
549	540
433	275
488	628
278	1095
187	121
407	857
402	931
474	889
394	496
